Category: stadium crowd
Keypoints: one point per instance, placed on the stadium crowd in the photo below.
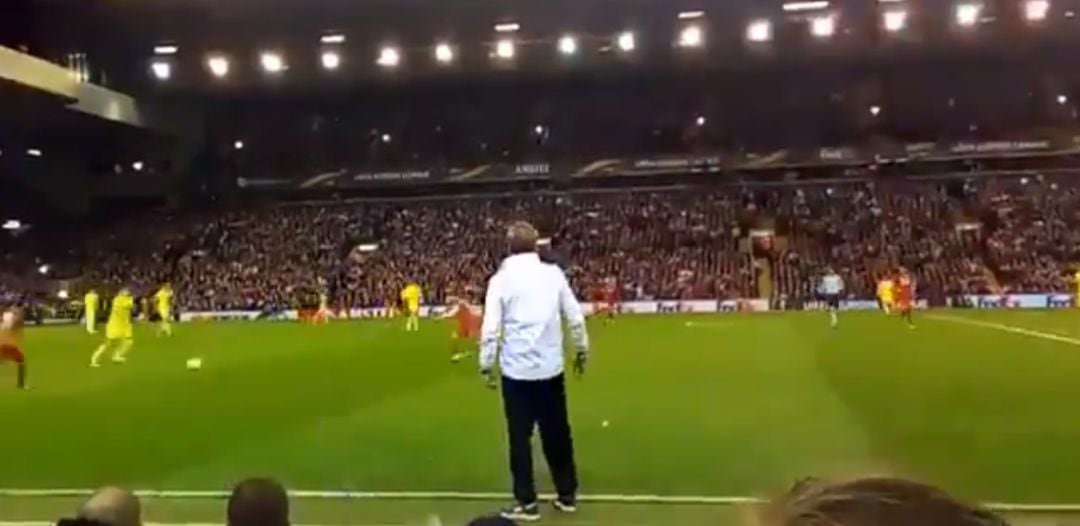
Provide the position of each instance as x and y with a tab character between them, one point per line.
975	235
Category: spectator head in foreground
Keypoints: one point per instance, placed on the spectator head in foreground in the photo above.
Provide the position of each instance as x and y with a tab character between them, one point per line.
112	506
523	237
491	521
873	502
258	502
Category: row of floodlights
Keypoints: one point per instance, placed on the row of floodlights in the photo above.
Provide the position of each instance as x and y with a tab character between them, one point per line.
821	23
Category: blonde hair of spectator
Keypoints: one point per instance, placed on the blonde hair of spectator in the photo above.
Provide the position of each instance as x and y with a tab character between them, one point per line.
873	502
523	237
113	506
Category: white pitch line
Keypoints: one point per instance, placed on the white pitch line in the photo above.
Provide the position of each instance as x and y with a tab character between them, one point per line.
390	495
1006	328
613	498
52	523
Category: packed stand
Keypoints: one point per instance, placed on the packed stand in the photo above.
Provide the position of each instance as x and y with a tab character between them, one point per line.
956	236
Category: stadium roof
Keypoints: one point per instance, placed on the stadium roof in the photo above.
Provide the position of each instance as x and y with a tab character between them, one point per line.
121	36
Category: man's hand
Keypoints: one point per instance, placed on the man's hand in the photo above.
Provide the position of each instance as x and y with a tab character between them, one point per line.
489	378
580	359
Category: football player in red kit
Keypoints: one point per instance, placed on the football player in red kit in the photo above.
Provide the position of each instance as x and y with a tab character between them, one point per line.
607	300
11	324
904	295
467	332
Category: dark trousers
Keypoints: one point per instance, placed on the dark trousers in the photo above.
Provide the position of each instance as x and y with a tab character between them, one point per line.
528	404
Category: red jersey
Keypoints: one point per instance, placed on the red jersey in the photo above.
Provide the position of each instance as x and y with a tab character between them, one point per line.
904	290
468	323
611	294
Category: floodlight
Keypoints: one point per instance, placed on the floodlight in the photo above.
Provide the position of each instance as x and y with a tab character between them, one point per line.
272	62
331	60
967	14
1036	10
794	7
444	54
759	31
823	26
332	38
161	69
218	65
389	57
691	36
568	45
166	49
626	41
894	20
504	49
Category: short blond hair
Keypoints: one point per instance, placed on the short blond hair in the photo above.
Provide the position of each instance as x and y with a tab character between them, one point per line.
522	237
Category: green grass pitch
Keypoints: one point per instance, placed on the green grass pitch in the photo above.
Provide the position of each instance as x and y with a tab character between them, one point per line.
722	405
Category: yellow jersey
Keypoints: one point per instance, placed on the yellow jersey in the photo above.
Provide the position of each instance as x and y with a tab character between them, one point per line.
885	289
90	302
410	296
163	298
120	315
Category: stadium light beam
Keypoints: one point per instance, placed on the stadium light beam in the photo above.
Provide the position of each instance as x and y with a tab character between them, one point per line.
507	27
161	69
331	60
814	5
272	62
691	15
504	49
332	38
691	37
389	57
1036	10
626	41
166	49
967	14
444	53
823	26
894	20
759	31
218	65
568	45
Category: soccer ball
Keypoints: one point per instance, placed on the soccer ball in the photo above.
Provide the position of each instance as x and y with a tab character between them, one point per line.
194	364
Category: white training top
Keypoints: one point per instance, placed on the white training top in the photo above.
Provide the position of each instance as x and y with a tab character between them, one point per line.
526	303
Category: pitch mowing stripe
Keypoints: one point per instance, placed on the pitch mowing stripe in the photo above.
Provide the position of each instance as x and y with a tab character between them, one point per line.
1006	328
612	498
